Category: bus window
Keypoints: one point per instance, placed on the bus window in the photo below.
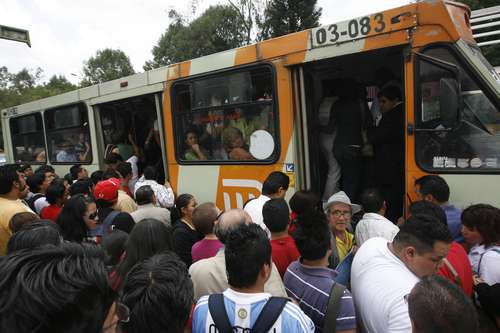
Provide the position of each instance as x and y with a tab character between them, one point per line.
226	117
473	142
68	135
27	139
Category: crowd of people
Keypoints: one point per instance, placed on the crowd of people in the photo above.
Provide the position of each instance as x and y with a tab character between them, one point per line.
115	252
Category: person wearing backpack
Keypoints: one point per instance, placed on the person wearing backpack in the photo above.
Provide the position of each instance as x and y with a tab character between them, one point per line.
106	195
244	306
312	283
39	183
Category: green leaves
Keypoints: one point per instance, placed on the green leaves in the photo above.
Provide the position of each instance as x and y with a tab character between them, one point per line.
106	65
25	86
219	28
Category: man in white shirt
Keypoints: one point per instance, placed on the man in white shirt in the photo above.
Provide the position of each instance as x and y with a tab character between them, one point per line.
164	194
274	187
373	223
383	273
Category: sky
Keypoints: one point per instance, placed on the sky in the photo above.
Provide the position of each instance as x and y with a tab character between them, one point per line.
66	33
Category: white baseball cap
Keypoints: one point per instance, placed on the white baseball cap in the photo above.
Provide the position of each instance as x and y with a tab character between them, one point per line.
342	198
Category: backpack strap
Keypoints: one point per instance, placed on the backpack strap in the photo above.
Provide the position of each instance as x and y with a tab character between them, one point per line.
333	309
453	272
269	314
104	227
31	201
494	249
109	220
219	314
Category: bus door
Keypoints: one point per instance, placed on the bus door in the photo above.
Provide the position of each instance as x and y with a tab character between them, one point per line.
134	119
336	103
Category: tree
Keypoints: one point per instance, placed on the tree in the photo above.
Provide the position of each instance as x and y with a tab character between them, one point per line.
282	17
106	65
219	28
58	84
25	86
250	12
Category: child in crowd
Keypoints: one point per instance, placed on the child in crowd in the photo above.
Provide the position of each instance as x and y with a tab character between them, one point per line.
277	218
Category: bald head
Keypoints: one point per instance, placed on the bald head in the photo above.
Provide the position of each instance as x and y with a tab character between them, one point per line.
229	221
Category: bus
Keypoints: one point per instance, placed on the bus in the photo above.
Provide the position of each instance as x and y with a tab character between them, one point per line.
216	126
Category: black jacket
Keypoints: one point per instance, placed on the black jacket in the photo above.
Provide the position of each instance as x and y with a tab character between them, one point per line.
388	144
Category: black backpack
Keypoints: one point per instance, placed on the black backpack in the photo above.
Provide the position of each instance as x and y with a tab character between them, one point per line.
31	201
265	321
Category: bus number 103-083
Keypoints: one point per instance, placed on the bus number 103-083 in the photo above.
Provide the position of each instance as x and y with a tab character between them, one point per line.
356	28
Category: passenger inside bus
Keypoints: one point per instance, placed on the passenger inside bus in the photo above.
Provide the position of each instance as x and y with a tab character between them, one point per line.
235	145
349	115
193	151
66	153
131	127
342	92
388	141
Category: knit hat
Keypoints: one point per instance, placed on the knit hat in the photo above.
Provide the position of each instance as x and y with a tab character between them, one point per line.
342	198
107	190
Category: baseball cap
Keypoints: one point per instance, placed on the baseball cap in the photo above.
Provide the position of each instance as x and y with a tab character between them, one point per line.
107	190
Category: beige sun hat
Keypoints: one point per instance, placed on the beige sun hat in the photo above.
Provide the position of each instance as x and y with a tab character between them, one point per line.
342	198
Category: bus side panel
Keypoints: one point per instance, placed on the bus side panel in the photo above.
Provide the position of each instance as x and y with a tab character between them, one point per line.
173	167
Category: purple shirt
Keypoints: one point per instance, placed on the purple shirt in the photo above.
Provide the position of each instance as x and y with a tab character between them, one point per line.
206	248
311	287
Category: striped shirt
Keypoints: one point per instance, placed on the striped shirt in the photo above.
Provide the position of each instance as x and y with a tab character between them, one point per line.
243	309
311	287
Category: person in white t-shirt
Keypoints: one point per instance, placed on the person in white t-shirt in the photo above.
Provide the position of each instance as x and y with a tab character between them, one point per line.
274	187
248	266
383	272
481	230
373	223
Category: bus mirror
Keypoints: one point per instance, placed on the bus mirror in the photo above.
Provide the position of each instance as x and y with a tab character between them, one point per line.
449	102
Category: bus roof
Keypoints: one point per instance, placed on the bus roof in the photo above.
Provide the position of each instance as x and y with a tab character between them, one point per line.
417	24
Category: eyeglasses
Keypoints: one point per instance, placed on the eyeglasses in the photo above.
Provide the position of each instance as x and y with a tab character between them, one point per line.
122	312
220	214
93	216
338	213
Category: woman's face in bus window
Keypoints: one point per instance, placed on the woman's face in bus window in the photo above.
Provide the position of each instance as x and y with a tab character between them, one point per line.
237	141
90	217
191	139
386	104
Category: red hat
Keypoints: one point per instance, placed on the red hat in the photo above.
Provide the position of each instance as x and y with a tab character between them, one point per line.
107	190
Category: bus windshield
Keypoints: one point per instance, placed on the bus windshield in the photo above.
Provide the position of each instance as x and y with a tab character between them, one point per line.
474	56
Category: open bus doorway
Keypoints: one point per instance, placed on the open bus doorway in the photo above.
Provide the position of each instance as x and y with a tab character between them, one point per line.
343	113
134	119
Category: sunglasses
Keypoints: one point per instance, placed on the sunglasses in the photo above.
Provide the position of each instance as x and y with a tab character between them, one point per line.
93	216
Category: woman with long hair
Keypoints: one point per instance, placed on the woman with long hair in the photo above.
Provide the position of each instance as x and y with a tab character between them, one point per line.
77	217
185	234
148	237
